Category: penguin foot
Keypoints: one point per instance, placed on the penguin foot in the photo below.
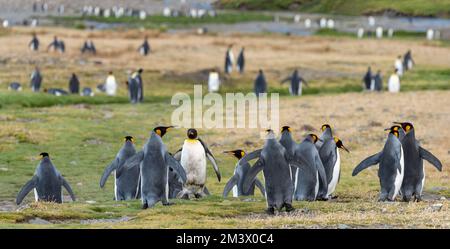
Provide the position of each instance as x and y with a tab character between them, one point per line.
289	207
270	211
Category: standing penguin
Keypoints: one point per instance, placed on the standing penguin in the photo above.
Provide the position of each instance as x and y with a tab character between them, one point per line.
295	88
274	162
392	166
133	90
312	173
110	85
193	159
378	81
36	80
47	183
367	79
289	144
241	61
34	43
144	49
54	44
414	177
229	60
140	85
399	66
260	83
408	61
331	160
126	179
237	181
155	162
394	82
74	84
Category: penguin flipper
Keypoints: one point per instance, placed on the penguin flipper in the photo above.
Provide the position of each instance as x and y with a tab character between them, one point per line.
31	184
177	154
259	184
138	188
68	188
131	162
250	156
371	160
321	171
111	167
251	174
425	154
175	165
230	184
211	158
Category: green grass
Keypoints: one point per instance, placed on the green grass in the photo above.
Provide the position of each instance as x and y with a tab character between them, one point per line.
157	21
411	35
346	7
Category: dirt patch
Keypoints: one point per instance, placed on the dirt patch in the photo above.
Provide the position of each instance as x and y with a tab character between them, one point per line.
7	206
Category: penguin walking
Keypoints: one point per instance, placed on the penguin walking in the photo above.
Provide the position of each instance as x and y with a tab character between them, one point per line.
237	180
229	60
36	80
295	88
125	179
274	162
47	183
192	157
414	177
74	84
260	83
155	162
144	49
331	160
34	43
241	61
15	86
392	166
307	179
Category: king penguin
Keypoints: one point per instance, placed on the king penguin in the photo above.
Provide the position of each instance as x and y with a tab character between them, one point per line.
47	183
289	144
392	166
414	178
34	43
229	60
193	159
260	84
274	162
327	133
308	177
74	84
237	181
241	61
155	162
331	160
36	80
125	184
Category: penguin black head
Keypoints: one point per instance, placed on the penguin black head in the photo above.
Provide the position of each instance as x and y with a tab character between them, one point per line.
161	130
140	70
237	153
44	154
339	144
313	137
406	126
260	71
286	128
129	138
192	133
325	126
394	128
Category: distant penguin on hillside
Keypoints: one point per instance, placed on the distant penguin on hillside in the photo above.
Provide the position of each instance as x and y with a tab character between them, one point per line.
378	82
133	90
110	85
144	49
213	81
137	76
229	60
15	86
36	80
241	61
367	79
399	65
394	82
34	43
408	61
295	88
260	83
74	84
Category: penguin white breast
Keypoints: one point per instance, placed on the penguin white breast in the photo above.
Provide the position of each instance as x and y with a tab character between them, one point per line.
316	189
336	169
193	160
399	177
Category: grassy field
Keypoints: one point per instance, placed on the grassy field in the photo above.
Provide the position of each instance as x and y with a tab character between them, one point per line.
347	7
83	135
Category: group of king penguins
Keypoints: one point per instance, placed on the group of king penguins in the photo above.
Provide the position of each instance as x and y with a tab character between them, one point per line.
305	171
